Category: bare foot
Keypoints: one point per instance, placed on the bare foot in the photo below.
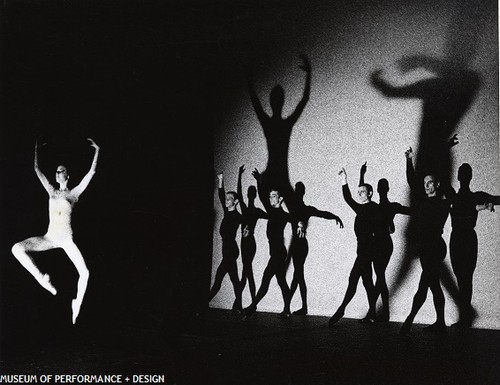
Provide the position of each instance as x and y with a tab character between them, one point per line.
46	284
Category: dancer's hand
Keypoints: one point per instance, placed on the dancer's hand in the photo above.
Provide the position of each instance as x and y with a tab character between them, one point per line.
256	174
245	232
339	222
409	153
490	207
362	171
453	141
241	170
93	144
343	175
306	65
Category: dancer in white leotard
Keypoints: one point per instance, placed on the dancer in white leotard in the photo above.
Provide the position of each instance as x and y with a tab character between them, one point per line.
59	234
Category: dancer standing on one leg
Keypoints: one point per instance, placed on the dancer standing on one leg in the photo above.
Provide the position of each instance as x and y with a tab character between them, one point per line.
368	220
277	220
463	239
384	241
251	215
59	233
299	247
431	214
230	251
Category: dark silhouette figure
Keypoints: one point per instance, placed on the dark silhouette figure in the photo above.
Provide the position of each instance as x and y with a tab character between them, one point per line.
276	222
366	225
251	215
385	246
277	131
463	239
431	212
300	247
446	98
230	251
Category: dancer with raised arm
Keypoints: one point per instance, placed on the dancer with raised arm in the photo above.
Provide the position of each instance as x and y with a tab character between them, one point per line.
251	215
384	241
277	220
59	233
230	252
431	212
463	239
299	248
368	220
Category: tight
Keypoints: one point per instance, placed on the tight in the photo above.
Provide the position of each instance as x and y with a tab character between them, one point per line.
299	249
432	254
275	267
361	269
248	249
463	252
228	265
380	262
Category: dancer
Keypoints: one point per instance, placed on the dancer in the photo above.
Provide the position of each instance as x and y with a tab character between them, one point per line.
463	239
384	241
59	233
251	215
431	213
300	247
230	251
368	220
277	220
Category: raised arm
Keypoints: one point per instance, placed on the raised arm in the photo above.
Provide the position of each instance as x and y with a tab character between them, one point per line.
43	179
265	202
239	190
88	177
362	172
345	190
257	106
411	176
306	67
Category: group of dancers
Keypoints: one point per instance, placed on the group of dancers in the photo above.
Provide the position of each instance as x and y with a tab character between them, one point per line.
373	226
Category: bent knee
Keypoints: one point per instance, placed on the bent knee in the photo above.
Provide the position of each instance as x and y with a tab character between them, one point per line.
18	249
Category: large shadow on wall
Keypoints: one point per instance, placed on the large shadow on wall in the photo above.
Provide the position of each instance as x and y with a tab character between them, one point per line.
277	131
446	95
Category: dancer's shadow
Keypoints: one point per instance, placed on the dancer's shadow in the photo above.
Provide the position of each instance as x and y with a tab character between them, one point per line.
446	97
277	130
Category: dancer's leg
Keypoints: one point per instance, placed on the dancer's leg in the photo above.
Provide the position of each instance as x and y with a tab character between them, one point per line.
76	257
20	251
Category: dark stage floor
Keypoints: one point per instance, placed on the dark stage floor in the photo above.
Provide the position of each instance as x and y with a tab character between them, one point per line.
218	348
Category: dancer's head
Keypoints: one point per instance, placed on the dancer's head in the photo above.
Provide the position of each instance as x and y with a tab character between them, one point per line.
277	99
383	187
365	192
275	198
300	190
231	200
431	185
251	193
62	174
465	173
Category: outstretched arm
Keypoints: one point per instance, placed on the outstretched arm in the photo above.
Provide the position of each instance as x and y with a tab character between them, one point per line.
306	67
265	202
43	179
88	177
486	201
221	191
314	212
415	90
